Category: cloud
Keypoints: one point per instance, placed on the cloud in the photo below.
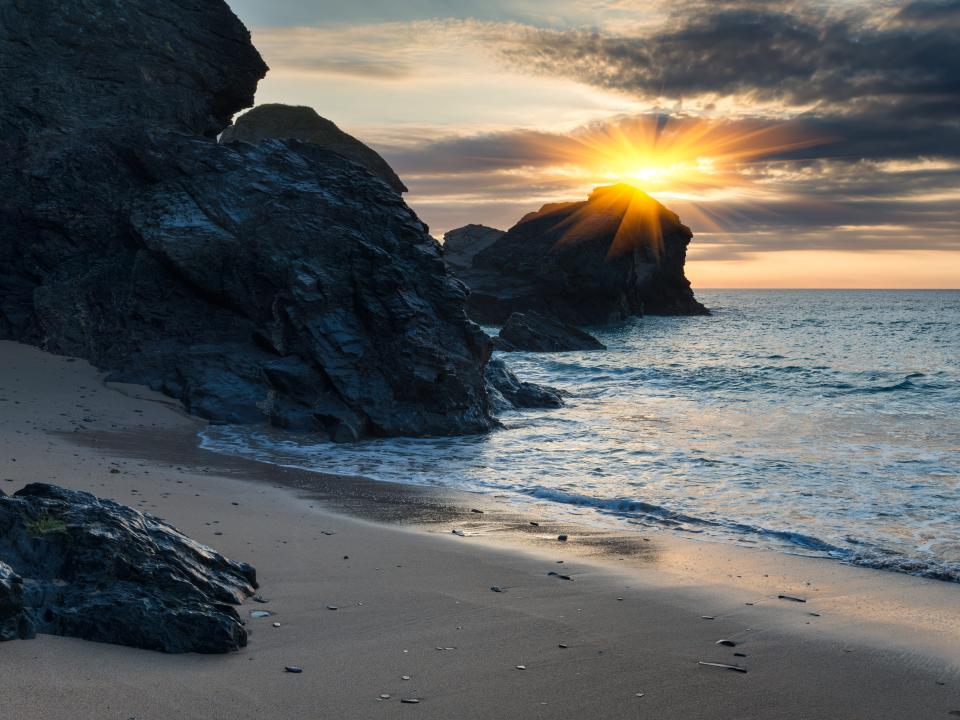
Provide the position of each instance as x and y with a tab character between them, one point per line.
794	53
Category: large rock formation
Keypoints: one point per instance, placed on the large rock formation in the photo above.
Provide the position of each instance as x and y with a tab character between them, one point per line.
97	570
184	65
277	282
533	332
619	253
296	122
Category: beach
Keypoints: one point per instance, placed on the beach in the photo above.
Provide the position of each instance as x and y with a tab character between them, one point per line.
375	596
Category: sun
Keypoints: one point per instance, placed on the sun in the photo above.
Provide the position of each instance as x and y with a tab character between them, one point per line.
640	160
674	155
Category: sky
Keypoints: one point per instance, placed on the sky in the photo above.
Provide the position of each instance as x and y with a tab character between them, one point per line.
806	143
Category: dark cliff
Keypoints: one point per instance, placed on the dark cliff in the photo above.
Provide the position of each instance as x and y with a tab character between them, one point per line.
276	282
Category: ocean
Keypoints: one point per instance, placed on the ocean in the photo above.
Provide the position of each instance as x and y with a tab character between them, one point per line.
817	422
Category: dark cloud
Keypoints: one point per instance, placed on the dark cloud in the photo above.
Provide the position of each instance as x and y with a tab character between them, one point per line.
797	53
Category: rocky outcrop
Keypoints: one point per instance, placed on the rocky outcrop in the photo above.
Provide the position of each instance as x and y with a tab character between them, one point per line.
619	253
184	65
460	246
289	122
97	570
533	332
509	393
273	282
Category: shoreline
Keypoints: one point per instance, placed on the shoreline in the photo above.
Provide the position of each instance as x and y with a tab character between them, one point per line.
881	645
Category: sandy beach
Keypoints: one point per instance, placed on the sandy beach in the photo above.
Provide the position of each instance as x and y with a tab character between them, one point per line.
415	616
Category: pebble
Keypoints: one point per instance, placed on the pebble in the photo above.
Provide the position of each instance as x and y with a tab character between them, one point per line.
535	524
332	607
260	599
409	701
293	669
474	510
521	667
497	588
707	617
459	532
404	677
792	598
260	613
726	643
562	538
639	694
276	624
384	696
562	646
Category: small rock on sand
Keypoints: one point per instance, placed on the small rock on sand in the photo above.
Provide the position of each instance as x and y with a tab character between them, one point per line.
562	538
792	598
496	588
293	669
410	701
726	643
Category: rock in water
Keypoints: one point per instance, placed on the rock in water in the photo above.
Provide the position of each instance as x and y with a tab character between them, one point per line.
619	253
509	393
274	282
97	570
533	332
289	122
14	620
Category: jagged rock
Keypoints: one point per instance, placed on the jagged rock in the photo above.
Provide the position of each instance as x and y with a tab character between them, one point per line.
532	332
289	122
273	282
620	253
509	393
184	65
14	620
97	570
460	246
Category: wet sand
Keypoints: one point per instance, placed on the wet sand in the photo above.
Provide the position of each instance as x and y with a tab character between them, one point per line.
415	600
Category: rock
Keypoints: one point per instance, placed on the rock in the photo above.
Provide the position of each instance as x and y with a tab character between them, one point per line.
296	670
461	245
617	254
533	332
289	122
14	619
508	393
185	66
276	282
97	570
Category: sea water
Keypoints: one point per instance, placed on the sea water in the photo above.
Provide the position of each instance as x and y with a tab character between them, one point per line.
817	422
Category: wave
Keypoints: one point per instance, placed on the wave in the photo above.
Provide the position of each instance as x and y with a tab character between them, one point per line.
657	515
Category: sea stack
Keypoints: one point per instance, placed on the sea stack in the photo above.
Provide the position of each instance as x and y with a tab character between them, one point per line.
617	254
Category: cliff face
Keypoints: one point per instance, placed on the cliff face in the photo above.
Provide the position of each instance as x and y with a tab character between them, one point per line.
186	66
619	253
274	282
287	122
